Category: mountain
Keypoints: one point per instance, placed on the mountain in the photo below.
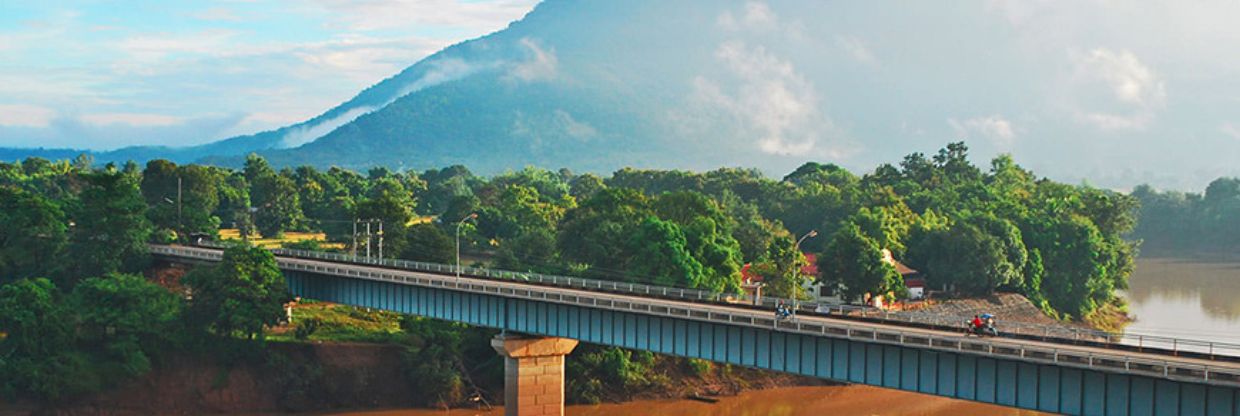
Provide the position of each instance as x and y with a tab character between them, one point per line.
573	84
595	85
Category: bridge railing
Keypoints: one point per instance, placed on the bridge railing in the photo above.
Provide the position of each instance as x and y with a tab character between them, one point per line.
994	347
1048	332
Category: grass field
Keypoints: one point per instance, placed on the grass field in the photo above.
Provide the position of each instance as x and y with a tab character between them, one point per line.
289	237
341	323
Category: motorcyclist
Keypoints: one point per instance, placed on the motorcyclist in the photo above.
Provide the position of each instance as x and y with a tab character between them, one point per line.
977	323
781	310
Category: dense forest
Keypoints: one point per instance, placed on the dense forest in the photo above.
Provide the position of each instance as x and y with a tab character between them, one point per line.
1185	221
73	235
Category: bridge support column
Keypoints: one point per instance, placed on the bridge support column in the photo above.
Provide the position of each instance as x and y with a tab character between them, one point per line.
533	373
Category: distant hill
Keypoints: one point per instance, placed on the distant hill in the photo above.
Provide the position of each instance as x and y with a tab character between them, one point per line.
574	84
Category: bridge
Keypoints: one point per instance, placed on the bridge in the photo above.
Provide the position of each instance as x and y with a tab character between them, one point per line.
543	319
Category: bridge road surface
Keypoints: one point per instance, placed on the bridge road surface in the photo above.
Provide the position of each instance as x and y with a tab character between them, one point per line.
803	318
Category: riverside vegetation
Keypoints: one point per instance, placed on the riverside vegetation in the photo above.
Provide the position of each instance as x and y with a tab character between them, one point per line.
77	316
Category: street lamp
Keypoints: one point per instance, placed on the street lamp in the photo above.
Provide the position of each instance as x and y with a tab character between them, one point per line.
458	241
810	234
797	248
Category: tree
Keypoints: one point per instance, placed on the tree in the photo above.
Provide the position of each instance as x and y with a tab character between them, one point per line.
854	262
241	295
37	356
665	257
125	317
32	234
275	199
187	207
598	232
110	227
781	267
426	242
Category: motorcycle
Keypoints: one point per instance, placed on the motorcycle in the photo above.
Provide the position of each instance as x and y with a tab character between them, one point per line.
987	328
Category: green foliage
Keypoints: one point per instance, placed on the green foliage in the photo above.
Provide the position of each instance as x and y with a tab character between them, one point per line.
32	234
699	367
976	256
37	357
127	318
428	243
1190	221
433	360
854	262
241	295
110	227
305	328
665	257
276	204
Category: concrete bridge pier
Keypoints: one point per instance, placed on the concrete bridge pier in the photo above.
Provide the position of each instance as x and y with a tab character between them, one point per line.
533	373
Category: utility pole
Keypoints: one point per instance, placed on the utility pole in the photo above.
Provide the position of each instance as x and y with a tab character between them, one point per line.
367	239
353	248
380	240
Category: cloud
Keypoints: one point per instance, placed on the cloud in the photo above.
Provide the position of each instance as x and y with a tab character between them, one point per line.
856	49
111	131
132	119
756	16
1126	93
995	128
1130	80
572	127
1230	130
438	72
300	135
541	64
25	115
396	14
771	98
217	14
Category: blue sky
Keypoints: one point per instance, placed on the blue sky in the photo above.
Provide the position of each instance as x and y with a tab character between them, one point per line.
1106	91
107	74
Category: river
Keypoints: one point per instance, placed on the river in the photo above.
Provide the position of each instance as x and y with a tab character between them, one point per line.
786	401
1195	298
1170	296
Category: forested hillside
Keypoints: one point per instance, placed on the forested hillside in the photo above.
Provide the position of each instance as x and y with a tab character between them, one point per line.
1187	221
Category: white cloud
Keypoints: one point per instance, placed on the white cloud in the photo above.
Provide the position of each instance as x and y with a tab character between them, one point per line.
995	128
25	115
1230	130
757	15
771	98
1126	93
300	135
217	14
1131	81
132	119
856	49
396	14
574	128
541	64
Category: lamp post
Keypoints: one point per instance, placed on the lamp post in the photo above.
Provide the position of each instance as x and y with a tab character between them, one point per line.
797	248
458	241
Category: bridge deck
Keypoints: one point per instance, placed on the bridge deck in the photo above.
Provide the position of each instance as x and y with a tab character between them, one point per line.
856	326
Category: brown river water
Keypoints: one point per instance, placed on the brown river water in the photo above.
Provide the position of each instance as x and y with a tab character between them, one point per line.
787	401
1191	298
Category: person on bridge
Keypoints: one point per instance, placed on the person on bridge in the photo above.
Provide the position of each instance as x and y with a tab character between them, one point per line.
977	323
